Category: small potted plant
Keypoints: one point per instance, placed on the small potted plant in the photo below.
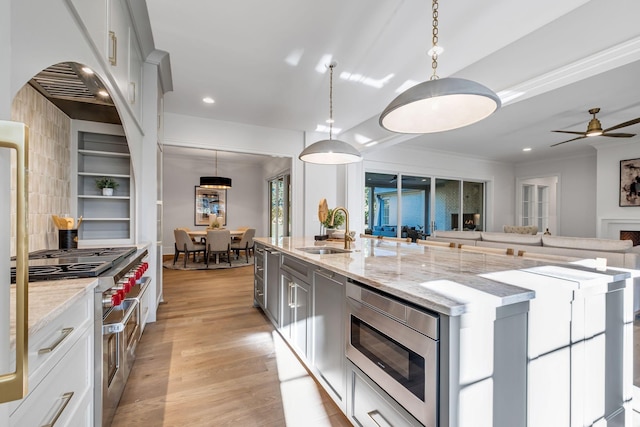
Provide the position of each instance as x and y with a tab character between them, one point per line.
337	222
107	185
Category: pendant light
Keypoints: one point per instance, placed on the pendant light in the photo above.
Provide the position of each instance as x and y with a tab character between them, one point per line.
330	151
439	104
218	182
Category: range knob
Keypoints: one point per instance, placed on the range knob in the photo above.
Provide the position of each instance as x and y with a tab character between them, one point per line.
112	300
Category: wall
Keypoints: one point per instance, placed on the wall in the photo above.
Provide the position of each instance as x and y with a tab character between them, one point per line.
245	200
576	191
49	167
610	153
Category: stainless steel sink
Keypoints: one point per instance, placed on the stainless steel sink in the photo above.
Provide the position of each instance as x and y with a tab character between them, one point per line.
323	250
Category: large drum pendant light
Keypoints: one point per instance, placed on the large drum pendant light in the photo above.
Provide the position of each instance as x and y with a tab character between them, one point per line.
219	182
330	151
439	104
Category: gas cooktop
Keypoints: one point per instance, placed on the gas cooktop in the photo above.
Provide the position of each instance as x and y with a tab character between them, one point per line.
56	264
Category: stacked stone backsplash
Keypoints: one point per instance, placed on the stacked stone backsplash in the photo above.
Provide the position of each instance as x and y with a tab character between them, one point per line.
49	167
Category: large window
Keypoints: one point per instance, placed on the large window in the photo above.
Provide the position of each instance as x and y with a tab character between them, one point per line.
413	206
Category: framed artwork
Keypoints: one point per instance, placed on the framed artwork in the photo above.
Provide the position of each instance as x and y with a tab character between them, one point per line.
630	182
210	202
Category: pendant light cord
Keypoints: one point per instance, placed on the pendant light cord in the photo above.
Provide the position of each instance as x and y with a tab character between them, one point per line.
331	67
434	39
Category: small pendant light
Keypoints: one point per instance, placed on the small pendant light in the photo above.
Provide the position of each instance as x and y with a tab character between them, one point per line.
439	104
218	182
330	151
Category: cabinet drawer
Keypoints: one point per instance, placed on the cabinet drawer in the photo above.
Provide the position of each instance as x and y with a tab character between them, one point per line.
49	345
63	392
297	268
370	406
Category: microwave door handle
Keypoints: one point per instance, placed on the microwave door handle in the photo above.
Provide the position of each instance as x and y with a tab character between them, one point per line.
13	385
378	419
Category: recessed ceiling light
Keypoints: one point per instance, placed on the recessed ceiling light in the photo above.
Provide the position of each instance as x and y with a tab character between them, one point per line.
526	149
87	70
103	93
208	100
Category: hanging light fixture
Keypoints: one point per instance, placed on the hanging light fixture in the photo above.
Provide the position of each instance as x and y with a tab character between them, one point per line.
219	182
330	151
439	104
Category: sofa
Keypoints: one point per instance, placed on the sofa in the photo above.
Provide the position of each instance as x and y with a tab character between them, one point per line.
619	253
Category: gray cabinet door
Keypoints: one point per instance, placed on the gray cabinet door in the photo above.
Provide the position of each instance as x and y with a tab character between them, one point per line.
272	285
301	323
329	333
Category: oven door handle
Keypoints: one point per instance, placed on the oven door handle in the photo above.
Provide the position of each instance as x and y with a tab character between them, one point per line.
113	328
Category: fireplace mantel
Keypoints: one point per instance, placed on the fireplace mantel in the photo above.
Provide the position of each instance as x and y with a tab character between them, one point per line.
610	227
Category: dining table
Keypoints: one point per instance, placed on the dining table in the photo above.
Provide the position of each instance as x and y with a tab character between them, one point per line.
203	233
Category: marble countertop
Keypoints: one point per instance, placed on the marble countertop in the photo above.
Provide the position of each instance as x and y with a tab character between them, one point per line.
441	279
48	299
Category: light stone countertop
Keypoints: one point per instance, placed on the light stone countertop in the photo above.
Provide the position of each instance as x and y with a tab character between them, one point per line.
441	279
47	300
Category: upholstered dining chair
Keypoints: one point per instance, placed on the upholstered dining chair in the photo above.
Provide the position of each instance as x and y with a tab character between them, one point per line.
218	243
185	245
245	243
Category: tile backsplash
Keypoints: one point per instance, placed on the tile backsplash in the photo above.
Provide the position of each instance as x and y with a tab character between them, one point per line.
49	177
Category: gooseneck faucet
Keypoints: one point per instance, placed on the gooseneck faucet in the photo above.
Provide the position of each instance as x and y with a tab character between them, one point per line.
347	237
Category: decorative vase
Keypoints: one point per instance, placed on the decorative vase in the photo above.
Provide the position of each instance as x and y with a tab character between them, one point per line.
107	191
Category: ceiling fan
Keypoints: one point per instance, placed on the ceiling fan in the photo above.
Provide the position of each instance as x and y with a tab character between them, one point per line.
595	129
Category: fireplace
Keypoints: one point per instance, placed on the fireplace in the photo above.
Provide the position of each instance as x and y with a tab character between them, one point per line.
632	235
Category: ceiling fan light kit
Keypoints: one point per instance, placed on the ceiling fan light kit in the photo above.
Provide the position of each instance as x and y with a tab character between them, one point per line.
439	105
594	128
330	151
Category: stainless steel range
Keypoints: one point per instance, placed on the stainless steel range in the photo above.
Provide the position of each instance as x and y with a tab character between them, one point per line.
117	311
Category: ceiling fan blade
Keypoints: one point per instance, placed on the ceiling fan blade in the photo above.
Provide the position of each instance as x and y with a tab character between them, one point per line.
622	125
619	135
569	140
569	131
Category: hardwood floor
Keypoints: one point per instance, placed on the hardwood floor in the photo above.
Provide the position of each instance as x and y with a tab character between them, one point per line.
212	359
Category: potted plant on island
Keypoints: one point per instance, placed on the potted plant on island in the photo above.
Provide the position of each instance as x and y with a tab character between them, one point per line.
337	222
107	185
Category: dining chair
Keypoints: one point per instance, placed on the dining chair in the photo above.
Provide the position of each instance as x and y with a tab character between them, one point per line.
184	244
245	243
218	243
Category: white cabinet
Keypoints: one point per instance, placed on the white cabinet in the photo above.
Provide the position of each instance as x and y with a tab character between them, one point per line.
105	218
60	371
329	332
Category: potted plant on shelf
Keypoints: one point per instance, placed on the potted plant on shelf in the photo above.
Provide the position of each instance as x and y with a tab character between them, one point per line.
107	185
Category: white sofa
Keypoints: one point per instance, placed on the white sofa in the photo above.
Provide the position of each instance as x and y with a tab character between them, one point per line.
619	253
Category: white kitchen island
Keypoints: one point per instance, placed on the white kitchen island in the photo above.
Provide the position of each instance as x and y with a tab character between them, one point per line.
490	362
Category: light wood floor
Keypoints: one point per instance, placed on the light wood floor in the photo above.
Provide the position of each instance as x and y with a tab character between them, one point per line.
212	359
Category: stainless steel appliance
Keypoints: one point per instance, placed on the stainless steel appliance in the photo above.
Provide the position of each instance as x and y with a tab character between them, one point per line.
118	319
396	345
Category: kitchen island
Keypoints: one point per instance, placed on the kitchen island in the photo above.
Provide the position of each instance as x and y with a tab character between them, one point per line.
483	361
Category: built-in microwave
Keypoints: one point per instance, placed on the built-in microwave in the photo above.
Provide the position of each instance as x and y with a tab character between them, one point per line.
396	345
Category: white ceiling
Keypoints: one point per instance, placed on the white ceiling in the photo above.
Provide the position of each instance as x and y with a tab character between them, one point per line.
259	61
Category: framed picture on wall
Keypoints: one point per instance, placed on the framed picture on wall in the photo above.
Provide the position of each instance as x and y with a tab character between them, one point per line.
630	182
210	203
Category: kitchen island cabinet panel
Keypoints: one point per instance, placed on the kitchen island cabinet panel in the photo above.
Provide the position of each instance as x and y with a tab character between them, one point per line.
297	304
272	286
329	331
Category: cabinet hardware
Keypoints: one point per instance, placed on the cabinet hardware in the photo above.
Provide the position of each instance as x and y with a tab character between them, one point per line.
132	92
13	385
65	333
66	398
379	420
325	273
113	48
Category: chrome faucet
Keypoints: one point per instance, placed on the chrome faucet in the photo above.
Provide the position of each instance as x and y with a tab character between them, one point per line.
347	237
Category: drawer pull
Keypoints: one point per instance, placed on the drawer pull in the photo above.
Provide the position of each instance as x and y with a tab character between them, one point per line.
378	419
65	334
113	48
66	398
